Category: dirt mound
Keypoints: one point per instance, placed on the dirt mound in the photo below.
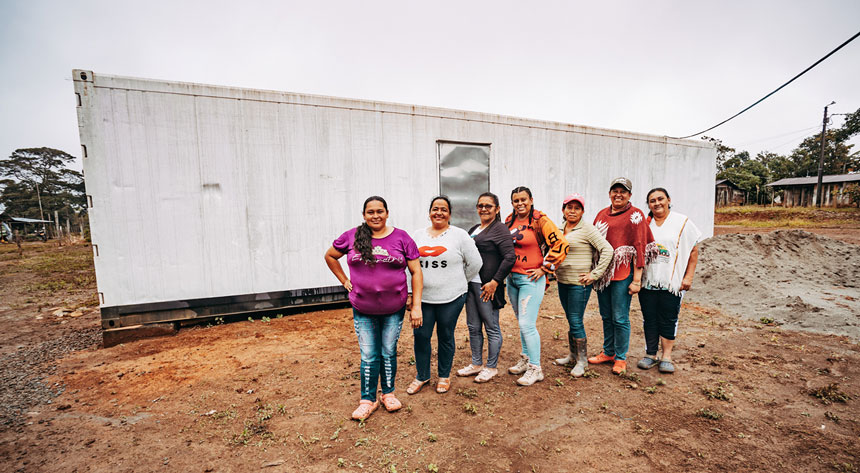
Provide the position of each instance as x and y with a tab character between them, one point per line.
793	277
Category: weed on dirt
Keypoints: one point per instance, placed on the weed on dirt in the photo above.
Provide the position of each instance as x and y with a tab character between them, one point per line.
709	414
720	392
830	394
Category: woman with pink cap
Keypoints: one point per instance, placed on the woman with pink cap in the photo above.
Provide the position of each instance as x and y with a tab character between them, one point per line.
576	274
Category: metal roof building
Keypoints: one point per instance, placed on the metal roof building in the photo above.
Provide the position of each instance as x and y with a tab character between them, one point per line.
801	191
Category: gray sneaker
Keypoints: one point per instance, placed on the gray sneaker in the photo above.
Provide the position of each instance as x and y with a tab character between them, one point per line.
646	363
521	366
533	374
666	367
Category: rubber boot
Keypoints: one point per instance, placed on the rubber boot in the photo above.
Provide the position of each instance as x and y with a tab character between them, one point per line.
571	356
581	349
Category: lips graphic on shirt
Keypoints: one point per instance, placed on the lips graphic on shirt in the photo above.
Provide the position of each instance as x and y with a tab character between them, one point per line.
431	250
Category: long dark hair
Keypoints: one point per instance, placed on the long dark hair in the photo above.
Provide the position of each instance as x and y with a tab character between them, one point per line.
531	209
364	235
495	202
441	197
648	197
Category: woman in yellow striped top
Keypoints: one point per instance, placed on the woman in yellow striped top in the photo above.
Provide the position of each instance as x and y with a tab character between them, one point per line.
576	274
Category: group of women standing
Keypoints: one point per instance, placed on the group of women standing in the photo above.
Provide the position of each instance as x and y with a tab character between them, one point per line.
622	253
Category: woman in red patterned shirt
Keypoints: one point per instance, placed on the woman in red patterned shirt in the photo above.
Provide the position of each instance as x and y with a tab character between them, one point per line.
625	228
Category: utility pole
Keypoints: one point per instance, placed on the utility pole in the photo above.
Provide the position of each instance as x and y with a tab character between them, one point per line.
821	157
39	196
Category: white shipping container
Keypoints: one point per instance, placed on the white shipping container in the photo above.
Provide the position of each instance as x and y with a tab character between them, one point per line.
206	200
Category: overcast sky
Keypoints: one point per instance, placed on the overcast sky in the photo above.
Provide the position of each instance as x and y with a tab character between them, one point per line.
662	67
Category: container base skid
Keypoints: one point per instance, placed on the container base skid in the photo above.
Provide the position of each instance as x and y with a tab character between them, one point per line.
122	318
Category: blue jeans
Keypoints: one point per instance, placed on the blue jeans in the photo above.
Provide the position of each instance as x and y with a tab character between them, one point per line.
444	317
377	339
614	304
526	297
574	299
480	313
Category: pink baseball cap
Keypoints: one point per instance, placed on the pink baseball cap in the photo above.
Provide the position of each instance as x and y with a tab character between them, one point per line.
575	196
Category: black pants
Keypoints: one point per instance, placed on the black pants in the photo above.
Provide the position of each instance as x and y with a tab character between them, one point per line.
660	310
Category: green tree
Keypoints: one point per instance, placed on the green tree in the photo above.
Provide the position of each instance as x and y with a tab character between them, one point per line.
60	189
778	166
724	152
838	158
853	193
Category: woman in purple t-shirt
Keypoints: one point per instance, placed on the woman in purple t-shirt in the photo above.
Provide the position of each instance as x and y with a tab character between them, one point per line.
377	256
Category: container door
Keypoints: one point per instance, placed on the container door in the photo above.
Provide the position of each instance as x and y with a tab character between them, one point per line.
464	173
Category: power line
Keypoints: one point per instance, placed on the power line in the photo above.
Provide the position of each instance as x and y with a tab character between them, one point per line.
771	138
775	91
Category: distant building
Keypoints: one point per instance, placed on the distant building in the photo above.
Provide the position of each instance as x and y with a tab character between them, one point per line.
800	191
727	193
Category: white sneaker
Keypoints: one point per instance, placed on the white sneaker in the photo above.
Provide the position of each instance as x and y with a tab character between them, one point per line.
533	375
470	370
521	366
486	374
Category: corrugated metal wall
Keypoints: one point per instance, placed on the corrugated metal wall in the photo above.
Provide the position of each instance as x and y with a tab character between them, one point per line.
201	191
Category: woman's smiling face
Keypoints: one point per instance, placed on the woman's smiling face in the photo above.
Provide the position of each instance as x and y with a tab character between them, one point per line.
375	215
659	202
521	203
440	213
619	196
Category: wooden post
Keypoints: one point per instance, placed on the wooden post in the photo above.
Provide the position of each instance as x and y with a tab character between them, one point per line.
18	242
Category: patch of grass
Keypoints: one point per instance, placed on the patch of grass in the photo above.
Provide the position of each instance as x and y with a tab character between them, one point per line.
630	376
844	467
470	393
591	374
470	408
252	429
431	437
831	416
797	217
720	392
709	414
830	394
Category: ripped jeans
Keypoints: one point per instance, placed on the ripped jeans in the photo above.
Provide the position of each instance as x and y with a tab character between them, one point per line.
526	297
377	340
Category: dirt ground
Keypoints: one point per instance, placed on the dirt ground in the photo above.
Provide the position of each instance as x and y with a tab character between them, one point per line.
276	394
798	278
